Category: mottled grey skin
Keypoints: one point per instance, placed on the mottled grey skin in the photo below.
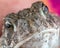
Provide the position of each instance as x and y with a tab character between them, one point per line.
25	23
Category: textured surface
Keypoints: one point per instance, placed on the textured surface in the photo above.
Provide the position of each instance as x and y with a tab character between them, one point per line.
34	27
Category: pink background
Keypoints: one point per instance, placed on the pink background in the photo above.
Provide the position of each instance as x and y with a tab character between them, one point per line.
8	6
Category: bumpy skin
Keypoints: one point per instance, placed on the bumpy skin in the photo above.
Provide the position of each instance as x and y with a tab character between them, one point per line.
30	23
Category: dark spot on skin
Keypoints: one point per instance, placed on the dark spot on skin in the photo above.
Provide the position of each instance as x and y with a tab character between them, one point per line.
42	4
50	17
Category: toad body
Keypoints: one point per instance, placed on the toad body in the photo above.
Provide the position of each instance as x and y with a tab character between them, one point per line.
34	27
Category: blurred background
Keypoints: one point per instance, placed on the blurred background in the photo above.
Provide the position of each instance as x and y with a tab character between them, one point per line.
8	6
54	5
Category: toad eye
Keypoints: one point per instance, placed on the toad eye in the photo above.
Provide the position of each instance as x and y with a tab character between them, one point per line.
8	25
45	9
